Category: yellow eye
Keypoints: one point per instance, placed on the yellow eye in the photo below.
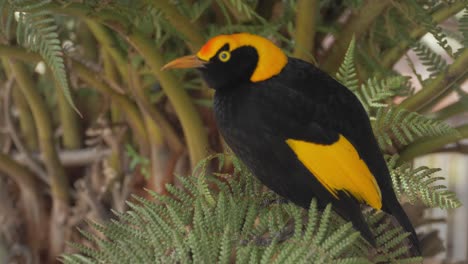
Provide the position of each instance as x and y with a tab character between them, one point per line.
224	56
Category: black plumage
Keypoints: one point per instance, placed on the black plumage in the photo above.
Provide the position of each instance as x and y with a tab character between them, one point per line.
299	102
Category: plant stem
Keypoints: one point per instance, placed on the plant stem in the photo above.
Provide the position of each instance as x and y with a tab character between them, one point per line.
265	8
357	25
160	122
130	110
32	202
42	119
390	57
194	131
87	41
58	179
158	151
305	29
459	107
26	121
439	85
71	138
192	125
108	42
116	115
189	29
430	144
94	80
19	53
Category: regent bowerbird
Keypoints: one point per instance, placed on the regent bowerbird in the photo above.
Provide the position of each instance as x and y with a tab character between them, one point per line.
301	132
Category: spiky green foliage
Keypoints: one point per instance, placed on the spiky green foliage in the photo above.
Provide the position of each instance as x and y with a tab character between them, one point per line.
236	220
374	93
397	127
434	62
394	127
463	27
347	72
419	184
37	31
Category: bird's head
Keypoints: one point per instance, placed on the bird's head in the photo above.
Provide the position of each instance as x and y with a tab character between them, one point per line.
227	60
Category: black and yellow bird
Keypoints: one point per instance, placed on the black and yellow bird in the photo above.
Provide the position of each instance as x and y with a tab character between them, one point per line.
301	132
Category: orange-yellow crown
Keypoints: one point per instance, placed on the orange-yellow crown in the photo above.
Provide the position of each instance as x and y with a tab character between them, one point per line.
271	59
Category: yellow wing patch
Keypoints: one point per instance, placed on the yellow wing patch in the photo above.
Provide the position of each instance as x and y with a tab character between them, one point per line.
338	167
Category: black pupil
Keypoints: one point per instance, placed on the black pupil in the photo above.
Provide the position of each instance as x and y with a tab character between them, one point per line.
223	55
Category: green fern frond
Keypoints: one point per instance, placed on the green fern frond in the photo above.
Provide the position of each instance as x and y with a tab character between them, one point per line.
237	226
376	94
434	62
37	31
240	6
441	38
396	127
463	28
391	240
347	72
420	185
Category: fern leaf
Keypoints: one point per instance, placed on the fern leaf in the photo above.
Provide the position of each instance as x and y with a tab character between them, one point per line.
418	184
463	27
37	31
391	244
376	94
236	227
434	62
396	127
347	72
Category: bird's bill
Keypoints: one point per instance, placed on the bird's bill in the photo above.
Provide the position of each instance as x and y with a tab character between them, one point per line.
191	61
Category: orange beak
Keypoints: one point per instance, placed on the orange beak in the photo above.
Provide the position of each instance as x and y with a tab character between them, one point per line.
191	61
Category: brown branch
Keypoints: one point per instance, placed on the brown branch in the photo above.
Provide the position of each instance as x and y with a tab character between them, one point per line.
28	160
305	29
189	29
58	179
391	56
71	137
128	107
42	119
430	144
357	25
32	201
443	82
70	158
192	125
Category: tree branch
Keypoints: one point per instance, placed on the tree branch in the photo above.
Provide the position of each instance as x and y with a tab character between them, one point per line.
189	29
29	161
357	25
128	107
42	119
71	137
192	125
32	200
305	29
455	72
430	144
58	180
390	57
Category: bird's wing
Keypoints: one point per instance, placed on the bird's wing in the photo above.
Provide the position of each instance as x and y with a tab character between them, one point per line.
333	139
338	167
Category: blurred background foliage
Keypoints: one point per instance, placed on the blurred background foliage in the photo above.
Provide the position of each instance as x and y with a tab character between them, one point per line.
88	117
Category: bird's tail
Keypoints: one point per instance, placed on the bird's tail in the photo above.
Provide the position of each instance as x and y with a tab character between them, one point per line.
397	211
